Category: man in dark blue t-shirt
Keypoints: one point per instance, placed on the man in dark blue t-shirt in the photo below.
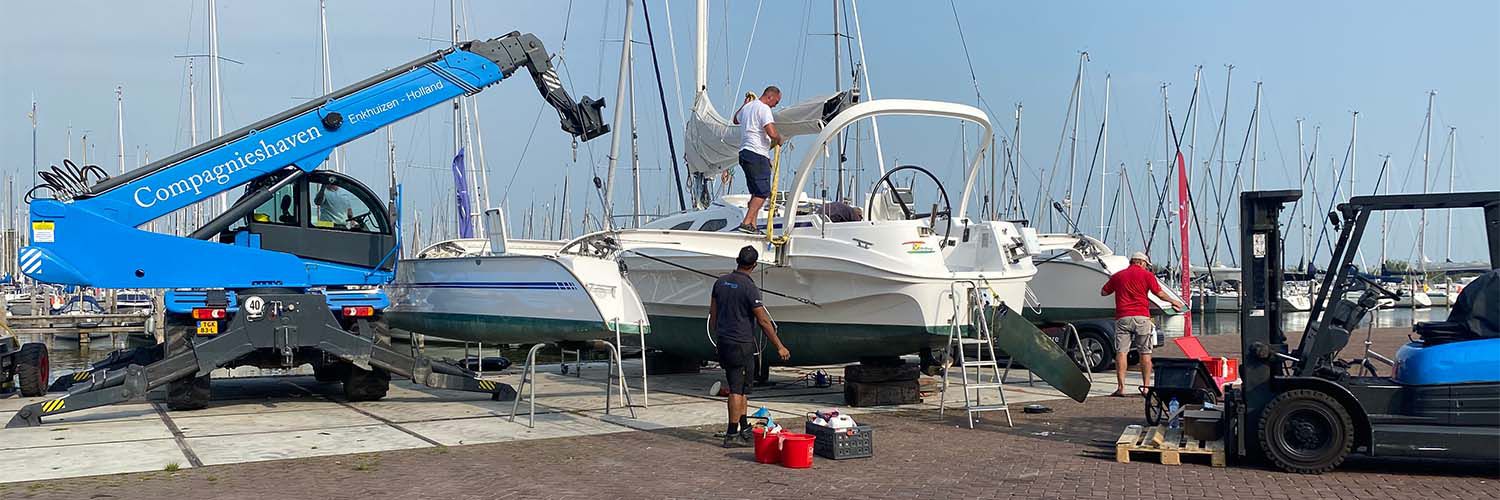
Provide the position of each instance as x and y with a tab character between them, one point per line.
734	308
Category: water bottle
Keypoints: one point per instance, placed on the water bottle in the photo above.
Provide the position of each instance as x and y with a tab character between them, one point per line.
1172	413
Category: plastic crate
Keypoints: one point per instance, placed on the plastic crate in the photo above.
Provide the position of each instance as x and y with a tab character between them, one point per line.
839	444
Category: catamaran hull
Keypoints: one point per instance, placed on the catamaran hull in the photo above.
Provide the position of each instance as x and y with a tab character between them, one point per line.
506	299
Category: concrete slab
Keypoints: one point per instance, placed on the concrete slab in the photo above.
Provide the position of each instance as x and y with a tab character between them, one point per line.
665	416
497	429
30	464
327	417
264	446
410	411
71	434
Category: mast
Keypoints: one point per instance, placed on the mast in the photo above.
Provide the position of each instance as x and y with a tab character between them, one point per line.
32	116
1426	157
1015	162
1255	149
193	130
1353	153
1104	152
338	153
700	57
624	79
865	91
1384	223
1073	140
1223	147
635	150
1193	142
1302	186
120	125
1452	172
216	111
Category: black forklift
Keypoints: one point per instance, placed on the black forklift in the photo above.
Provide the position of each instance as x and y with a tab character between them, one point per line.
1305	411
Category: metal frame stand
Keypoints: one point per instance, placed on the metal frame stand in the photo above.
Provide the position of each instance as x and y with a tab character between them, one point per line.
528	385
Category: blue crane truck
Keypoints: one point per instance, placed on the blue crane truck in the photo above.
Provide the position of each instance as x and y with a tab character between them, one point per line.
289	274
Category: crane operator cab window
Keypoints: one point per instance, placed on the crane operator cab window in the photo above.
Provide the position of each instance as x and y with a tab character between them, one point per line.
281	209
335	206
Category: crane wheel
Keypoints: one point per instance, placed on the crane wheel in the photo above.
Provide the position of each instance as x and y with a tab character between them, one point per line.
32	367
366	385
188	394
1306	431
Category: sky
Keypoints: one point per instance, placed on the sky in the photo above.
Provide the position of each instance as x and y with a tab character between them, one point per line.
1316	61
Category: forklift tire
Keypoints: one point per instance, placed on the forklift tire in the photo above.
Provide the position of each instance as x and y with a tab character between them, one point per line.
32	367
1306	431
366	385
188	394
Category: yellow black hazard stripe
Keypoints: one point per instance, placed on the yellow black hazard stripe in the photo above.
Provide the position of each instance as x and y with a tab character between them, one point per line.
486	385
80	376
53	405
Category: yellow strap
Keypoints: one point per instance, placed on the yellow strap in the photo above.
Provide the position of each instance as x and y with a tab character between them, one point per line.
771	208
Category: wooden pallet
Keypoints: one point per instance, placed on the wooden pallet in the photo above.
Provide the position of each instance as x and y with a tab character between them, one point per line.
1168	444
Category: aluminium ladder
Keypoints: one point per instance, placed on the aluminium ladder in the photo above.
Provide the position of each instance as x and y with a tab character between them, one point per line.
974	310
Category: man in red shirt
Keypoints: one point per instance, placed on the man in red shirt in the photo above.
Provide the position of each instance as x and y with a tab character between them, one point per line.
1133	315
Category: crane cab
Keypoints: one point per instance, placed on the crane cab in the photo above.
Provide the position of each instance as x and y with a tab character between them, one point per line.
322	215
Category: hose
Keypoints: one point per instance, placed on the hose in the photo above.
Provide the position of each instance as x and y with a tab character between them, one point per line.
68	181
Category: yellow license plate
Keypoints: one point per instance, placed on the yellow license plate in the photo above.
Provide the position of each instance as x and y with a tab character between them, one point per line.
208	328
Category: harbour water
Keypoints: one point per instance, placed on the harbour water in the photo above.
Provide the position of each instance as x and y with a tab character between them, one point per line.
1228	323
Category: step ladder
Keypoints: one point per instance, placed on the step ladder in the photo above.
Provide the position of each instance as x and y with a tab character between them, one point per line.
970	302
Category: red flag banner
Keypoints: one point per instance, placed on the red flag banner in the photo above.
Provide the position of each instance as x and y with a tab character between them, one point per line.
1182	224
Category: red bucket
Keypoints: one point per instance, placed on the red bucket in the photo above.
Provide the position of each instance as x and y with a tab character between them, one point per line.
796	450
767	446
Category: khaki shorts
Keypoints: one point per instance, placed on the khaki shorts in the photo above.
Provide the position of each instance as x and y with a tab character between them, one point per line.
1134	331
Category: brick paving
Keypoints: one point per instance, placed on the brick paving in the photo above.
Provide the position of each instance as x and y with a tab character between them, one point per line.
1065	454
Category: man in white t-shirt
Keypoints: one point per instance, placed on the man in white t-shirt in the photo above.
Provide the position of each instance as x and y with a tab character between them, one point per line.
756	141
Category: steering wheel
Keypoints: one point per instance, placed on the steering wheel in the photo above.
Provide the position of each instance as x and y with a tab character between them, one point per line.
361	221
1380	289
906	209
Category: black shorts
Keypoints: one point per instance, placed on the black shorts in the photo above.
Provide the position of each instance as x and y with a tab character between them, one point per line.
738	360
757	173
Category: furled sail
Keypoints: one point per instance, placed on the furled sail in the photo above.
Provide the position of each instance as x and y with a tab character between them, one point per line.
713	142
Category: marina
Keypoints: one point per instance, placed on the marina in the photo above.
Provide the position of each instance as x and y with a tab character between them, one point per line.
1222	265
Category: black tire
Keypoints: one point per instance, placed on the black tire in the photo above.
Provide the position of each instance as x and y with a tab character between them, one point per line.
32	367
1096	354
188	394
331	371
1306	431
366	385
934	361
1133	357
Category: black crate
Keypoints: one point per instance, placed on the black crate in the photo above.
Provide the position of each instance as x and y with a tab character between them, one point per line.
858	394
877	374
839	444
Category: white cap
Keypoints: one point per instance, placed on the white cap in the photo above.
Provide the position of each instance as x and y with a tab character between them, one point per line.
1141	256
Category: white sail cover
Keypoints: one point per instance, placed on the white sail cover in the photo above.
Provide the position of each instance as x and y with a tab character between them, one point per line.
713	142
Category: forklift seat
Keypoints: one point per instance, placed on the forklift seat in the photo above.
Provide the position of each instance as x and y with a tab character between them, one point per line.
1475	314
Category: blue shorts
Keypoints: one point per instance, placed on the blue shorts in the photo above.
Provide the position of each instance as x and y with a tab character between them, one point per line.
757	173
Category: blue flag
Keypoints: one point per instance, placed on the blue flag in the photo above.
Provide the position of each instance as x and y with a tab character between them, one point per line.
461	188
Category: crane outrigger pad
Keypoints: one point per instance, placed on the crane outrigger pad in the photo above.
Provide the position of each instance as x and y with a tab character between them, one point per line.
296	328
